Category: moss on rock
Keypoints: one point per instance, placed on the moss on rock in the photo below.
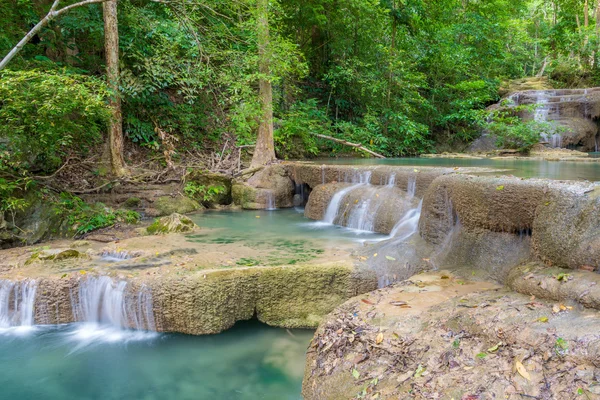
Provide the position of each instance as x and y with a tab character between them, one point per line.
174	223
168	205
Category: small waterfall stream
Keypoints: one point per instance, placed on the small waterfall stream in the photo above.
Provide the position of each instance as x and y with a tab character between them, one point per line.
333	207
409	224
270	201
102	301
97	301
17	303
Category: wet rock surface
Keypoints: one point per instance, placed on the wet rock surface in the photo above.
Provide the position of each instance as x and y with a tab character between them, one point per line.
437	336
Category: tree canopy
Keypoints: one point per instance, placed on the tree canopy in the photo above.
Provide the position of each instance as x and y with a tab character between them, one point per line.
400	76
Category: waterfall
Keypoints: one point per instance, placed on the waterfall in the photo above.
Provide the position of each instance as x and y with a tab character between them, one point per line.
409	224
411	187
391	180
105	302
334	204
270	201
17	301
115	256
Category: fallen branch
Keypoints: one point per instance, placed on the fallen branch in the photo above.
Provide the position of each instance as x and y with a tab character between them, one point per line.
248	171
346	143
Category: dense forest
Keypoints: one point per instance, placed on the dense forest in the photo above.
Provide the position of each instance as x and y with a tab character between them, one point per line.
178	81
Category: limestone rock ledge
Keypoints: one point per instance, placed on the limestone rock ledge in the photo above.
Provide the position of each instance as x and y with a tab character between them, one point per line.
211	301
437	336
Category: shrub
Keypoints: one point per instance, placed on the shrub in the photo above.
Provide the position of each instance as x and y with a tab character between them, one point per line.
44	115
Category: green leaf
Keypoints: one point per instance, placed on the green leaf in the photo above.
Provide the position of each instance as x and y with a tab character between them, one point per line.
355	373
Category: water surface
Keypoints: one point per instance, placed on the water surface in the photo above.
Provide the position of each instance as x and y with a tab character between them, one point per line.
562	170
80	362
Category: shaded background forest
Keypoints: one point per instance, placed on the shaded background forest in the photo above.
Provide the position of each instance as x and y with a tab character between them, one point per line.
401	76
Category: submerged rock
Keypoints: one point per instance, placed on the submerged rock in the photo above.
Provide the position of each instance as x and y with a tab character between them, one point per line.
174	223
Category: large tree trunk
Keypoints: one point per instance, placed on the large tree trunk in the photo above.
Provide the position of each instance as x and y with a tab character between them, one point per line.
264	151
111	47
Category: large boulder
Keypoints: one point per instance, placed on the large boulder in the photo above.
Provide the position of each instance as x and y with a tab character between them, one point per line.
270	187
167	205
499	204
566	231
319	199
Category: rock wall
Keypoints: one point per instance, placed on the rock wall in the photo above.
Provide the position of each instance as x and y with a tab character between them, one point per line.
559	220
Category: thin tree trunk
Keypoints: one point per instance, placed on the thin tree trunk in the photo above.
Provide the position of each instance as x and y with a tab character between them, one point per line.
111	48
264	153
52	14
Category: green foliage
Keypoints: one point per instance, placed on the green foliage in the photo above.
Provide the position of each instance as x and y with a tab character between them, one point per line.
84	218
9	200
294	136
202	193
46	115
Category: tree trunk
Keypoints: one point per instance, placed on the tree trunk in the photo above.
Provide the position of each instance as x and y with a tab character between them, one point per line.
264	151
111	48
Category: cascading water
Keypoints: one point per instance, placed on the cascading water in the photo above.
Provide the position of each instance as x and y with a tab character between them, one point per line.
411	187
391	180
115	256
332	208
270	201
370	208
408	225
105	302
17	300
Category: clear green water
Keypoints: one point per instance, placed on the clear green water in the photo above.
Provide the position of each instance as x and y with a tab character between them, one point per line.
563	170
73	362
285	228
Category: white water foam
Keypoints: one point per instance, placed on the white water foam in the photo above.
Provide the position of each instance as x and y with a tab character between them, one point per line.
17	301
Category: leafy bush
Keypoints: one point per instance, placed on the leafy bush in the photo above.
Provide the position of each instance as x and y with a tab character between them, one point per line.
43	114
84	218
203	193
294	136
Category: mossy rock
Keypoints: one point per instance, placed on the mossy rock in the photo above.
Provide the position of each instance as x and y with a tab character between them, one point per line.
132	202
174	223
168	205
246	196
56	255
